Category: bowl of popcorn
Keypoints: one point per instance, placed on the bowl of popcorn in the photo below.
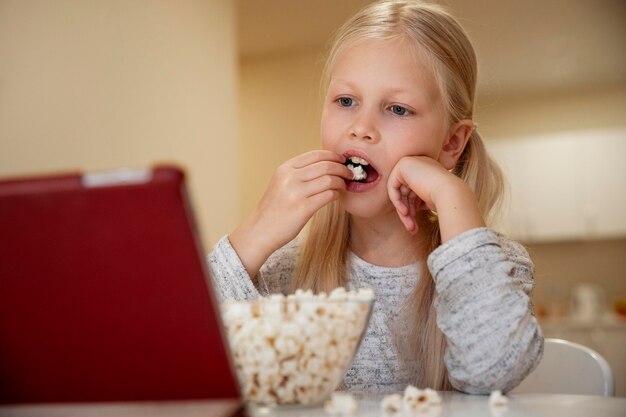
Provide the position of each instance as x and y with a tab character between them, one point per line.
295	349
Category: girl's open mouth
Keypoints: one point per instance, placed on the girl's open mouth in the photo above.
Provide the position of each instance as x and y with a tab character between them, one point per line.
362	171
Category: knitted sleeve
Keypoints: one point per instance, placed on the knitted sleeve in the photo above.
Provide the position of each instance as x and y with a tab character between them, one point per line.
484	284
231	280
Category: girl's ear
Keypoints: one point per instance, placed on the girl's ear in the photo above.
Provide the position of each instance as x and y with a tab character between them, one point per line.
455	143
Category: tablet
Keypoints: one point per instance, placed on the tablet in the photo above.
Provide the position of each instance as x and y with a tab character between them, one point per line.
105	294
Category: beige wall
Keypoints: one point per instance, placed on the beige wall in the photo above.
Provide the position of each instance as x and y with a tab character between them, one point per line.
597	108
279	116
102	84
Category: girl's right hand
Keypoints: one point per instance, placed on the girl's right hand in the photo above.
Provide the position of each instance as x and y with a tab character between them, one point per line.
298	189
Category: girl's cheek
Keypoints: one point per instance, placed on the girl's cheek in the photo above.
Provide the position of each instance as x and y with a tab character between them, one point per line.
328	144
329	134
324	133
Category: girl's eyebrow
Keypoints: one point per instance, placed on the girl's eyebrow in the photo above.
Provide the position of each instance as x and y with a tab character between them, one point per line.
348	83
390	90
413	97
417	96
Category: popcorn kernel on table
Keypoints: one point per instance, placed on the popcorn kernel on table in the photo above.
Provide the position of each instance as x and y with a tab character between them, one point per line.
497	399
341	403
413	402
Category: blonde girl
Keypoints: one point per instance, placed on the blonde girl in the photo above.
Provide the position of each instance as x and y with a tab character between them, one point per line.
453	307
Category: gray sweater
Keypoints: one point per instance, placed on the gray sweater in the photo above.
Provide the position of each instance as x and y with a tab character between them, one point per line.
483	306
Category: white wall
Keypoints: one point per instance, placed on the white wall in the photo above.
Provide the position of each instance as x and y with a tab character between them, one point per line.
90	85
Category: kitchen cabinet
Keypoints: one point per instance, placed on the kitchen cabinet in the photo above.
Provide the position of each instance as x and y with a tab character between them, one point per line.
564	186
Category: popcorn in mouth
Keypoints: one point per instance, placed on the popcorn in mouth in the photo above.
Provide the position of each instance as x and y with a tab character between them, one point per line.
357	166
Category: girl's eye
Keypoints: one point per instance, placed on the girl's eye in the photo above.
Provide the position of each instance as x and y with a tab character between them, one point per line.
345	101
399	110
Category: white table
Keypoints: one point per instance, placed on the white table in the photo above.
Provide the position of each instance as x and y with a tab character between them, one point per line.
454	404
457	404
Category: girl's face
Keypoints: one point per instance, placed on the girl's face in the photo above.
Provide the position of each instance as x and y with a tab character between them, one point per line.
383	103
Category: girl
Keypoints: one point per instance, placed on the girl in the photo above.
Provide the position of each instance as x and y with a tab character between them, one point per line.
453	307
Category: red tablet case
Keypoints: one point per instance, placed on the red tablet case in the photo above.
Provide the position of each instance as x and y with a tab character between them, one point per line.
105	294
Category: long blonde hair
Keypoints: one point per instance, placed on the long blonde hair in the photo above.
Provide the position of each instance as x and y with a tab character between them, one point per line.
322	261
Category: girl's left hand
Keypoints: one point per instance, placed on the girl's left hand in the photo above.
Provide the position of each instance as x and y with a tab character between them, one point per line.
421	183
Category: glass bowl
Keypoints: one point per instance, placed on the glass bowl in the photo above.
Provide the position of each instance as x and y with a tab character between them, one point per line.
295	350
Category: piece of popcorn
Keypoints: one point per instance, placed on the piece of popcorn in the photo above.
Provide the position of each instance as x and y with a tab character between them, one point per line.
341	403
391	404
277	297
358	173
497	399
304	295
365	294
433	396
415	399
339	294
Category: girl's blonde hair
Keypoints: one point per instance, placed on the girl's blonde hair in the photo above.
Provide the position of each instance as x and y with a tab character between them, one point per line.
437	36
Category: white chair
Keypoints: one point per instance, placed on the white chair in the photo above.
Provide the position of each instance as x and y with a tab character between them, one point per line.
569	368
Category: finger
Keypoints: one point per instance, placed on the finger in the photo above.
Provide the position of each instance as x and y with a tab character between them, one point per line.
318	169
414	228
405	192
408	222
407	203
319	200
396	199
312	157
404	201
421	205
318	185
413	202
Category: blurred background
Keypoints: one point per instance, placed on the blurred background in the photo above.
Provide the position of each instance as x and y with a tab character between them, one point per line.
230	89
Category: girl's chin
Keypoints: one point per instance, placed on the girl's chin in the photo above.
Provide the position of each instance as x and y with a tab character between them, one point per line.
366	207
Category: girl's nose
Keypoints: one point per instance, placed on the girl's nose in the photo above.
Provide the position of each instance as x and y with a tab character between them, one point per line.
364	127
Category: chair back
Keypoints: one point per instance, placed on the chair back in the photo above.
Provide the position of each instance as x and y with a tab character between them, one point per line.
569	368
